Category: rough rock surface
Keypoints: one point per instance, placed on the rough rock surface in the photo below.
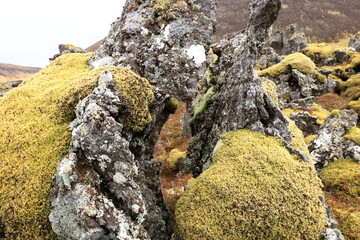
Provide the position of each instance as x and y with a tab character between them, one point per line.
297	90
288	41
355	42
329	145
7	86
107	187
233	97
65	49
169	51
306	122
268	57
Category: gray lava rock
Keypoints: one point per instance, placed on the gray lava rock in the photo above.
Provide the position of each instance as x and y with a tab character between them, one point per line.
306	122
341	56
65	49
233	98
288	41
355	42
332	234
169	53
107	187
297	90
329	145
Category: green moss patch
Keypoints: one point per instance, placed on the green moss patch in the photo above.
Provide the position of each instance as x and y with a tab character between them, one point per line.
253	190
342	183
296	61
34	136
353	134
170	9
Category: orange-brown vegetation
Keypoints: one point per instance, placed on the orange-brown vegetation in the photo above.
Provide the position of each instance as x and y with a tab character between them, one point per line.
331	101
172	179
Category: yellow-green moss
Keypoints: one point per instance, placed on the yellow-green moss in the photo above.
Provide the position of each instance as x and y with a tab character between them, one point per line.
309	139
169	9
354	105
296	61
174	156
353	134
353	81
253	190
342	175
201	101
349	223
172	105
34	136
270	88
325	50
314	110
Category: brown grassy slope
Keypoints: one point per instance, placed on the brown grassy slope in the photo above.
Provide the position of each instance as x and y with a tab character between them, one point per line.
320	19
94	47
9	72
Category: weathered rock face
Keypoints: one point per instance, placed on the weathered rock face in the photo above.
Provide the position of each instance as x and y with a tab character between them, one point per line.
165	42
65	49
7	86
330	144
298	90
107	187
306	122
232	97
288	41
355	42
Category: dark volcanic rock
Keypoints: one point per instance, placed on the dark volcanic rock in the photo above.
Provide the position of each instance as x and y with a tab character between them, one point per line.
169	49
7	86
65	49
233	98
107	187
288	41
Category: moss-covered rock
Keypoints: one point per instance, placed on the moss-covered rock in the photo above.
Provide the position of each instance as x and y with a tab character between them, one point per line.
253	190
170	9
353	134
34	136
296	61
172	105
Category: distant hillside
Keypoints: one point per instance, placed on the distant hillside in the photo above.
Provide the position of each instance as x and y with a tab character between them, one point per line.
321	19
9	72
94	47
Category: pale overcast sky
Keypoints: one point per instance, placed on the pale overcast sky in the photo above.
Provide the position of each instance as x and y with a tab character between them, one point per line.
30	31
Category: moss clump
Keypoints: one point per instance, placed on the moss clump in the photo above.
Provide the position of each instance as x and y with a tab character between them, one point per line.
353	81
34	136
270	88
314	110
298	141
296	61
253	190
172	105
202	100
354	105
174	157
169	9
353	134
342	175
326	50
309	139
342	183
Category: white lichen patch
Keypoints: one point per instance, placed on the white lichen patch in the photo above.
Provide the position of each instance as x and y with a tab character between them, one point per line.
166	32
144	31
196	53
119	178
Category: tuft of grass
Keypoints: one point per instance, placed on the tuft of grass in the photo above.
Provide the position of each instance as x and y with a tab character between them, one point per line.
253	190
296	61
34	136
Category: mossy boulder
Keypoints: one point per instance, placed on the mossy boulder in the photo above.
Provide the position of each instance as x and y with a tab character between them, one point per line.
34	136
253	190
296	61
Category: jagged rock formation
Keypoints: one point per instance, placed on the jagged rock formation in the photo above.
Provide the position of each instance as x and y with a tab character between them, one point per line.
288	41
106	188
354	43
233	97
165	42
66	49
109	163
330	145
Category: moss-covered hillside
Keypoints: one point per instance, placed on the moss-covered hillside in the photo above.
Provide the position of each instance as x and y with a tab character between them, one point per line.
34	136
